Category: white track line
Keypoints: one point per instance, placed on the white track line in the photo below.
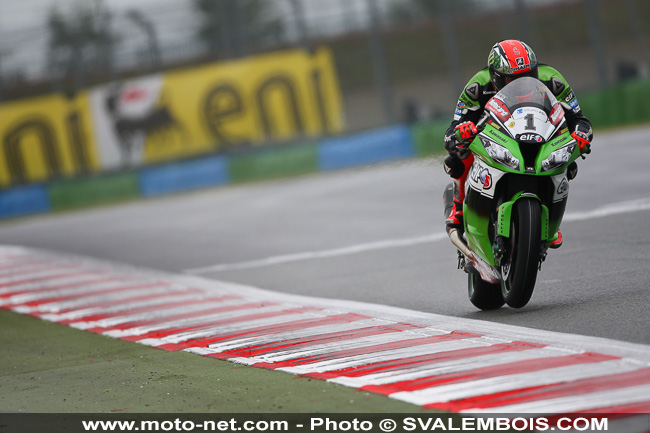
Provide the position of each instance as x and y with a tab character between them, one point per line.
604	211
288	258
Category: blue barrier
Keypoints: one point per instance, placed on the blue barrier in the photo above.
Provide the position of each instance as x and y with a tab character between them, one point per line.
366	148
182	176
24	200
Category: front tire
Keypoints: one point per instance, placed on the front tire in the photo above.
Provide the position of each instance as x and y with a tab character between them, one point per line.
520	270
484	295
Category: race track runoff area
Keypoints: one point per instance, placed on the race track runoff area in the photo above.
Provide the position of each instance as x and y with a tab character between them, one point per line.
432	361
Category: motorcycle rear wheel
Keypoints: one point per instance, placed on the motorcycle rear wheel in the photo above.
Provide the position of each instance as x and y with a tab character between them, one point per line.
484	295
520	270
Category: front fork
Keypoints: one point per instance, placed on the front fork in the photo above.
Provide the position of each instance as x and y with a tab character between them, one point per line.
501	251
502	228
503	224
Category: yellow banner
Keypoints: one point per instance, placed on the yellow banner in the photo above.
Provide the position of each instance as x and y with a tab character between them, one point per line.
274	97
45	138
223	106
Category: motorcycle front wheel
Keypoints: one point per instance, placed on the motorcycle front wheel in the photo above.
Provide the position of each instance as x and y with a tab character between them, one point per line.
520	270
484	295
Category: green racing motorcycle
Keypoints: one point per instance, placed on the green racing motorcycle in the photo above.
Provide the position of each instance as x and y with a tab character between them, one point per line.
516	193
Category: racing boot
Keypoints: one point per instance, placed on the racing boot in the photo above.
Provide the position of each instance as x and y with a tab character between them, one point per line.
454	222
453	207
557	242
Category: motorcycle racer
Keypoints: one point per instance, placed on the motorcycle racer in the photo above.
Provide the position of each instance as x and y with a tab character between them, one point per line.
507	61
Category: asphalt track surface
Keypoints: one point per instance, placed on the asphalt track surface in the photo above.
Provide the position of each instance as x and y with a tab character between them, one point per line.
375	234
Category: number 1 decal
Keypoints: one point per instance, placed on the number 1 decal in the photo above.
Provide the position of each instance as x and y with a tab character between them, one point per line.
530	126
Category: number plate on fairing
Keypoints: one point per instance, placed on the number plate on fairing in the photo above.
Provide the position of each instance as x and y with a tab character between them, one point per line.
532	123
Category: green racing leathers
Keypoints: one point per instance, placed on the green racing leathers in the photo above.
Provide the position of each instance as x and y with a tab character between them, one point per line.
479	90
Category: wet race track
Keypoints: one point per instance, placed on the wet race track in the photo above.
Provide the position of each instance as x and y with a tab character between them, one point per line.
376	234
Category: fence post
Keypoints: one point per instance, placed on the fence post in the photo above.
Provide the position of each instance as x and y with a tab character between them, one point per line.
524	22
238	29
78	68
596	30
348	14
104	18
633	19
1	84
2	53
152	37
299	15
379	62
451	46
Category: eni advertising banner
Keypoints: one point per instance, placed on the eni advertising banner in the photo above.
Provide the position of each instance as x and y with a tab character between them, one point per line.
222	106
208	109
46	138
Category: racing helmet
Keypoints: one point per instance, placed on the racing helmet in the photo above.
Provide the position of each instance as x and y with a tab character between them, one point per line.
511	59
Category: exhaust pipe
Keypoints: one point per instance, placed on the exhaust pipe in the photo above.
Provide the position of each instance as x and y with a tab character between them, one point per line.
459	242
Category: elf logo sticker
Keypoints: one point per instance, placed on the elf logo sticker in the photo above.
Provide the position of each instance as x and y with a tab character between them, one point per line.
563	188
531	138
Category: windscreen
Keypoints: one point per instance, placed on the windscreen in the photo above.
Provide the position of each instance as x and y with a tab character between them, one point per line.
528	91
528	110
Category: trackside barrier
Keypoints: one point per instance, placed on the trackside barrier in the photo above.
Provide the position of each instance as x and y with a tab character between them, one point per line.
271	163
367	148
24	200
625	103
427	137
95	190
395	142
183	176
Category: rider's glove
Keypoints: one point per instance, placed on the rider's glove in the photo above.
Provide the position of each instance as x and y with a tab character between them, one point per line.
583	141
465	133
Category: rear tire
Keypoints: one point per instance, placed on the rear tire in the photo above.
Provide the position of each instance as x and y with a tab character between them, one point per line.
484	295
520	271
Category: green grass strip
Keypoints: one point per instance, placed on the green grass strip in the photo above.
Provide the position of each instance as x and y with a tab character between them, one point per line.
46	367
